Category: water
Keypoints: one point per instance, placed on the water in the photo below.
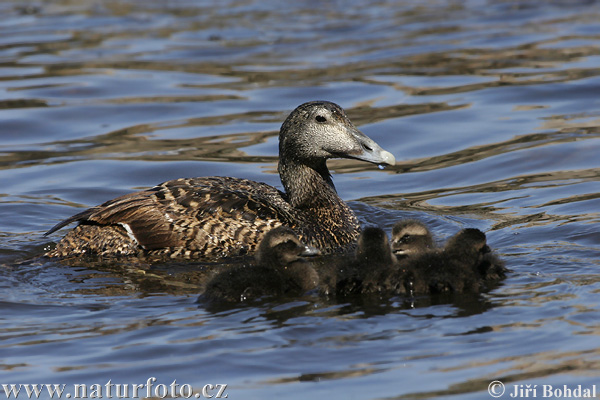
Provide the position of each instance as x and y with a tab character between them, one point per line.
490	107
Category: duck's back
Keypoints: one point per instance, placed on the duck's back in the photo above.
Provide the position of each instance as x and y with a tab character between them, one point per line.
211	216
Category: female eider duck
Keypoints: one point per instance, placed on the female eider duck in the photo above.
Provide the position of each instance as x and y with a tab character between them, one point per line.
223	216
279	270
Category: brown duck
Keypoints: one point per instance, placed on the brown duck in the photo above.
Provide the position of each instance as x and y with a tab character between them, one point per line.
223	216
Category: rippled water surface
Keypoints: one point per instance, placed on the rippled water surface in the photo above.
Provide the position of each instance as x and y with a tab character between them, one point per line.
492	109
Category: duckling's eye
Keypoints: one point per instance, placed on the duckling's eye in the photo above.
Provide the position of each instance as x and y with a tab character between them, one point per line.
403	239
320	118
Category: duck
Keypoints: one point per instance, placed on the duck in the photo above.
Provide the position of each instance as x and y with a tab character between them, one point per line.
370	268
465	264
489	267
411	237
280	269
216	217
376	265
373	248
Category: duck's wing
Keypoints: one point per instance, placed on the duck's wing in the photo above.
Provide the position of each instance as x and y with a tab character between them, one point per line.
180	213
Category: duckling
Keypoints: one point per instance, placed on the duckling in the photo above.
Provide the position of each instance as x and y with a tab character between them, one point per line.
372	266
471	244
377	264
373	248
279	270
465	264
213	217
411	237
491	268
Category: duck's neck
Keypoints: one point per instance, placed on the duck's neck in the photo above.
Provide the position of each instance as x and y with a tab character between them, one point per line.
308	186
325	221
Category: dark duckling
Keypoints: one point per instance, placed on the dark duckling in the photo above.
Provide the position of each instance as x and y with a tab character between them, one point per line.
465	264
279	271
411	237
373	249
221	216
371	268
490	268
375	267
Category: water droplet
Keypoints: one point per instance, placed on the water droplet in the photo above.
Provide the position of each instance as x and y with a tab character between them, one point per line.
381	166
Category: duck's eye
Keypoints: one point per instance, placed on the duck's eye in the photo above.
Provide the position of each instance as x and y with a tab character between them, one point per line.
320	118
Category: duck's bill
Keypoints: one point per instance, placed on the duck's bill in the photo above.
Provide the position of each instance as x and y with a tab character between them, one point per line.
383	158
367	150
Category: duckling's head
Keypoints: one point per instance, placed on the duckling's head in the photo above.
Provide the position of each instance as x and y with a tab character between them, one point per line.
319	130
410	237
468	245
373	247
281	246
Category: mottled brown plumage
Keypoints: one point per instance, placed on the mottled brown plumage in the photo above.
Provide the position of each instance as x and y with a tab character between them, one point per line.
223	216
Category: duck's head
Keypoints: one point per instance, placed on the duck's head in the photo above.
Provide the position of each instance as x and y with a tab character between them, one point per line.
410	237
373	246
319	130
469	245
281	246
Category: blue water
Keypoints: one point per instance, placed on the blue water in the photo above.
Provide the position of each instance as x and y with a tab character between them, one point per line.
490	107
